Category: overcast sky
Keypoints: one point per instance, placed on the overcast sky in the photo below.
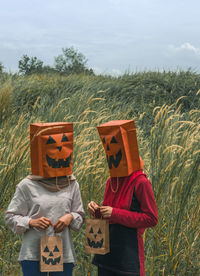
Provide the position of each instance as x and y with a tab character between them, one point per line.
114	35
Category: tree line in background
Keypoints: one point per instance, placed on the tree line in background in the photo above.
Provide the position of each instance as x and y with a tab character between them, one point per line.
69	62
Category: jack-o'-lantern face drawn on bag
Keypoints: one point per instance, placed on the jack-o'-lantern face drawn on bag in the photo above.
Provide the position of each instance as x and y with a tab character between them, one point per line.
120	145
97	236
51	149
51	253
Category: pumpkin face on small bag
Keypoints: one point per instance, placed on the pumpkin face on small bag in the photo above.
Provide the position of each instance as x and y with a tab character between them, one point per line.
97	236
51	149
120	145
51	253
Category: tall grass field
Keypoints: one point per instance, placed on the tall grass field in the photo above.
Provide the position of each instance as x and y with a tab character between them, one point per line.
166	110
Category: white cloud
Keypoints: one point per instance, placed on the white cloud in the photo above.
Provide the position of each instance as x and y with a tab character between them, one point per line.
185	47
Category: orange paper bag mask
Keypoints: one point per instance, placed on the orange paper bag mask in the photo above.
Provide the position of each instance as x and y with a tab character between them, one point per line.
51	149
120	144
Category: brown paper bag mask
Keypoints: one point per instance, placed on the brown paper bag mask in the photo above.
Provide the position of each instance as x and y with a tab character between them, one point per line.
51	149
120	145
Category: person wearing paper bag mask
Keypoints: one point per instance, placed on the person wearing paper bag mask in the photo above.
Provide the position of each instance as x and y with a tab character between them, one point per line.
48	201
129	202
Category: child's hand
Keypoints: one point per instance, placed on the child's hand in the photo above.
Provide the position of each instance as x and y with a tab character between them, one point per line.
92	207
62	223
106	211
41	223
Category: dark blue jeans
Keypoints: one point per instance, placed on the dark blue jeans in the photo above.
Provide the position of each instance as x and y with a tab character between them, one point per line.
32	268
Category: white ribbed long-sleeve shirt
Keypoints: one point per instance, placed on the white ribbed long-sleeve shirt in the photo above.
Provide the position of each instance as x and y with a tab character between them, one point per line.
31	201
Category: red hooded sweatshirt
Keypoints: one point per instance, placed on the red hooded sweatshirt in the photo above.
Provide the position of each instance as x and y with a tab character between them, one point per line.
134	209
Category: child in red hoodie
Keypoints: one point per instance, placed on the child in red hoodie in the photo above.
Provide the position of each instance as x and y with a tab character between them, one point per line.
129	202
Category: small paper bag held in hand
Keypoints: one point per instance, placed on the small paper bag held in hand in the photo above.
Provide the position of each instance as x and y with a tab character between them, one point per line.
97	236
51	254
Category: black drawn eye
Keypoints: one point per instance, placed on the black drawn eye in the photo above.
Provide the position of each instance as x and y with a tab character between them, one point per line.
46	249
64	138
113	140
51	140
91	231
99	232
56	249
104	140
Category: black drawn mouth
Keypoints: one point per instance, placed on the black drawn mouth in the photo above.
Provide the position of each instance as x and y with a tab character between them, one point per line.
51	260
61	163
94	244
114	160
